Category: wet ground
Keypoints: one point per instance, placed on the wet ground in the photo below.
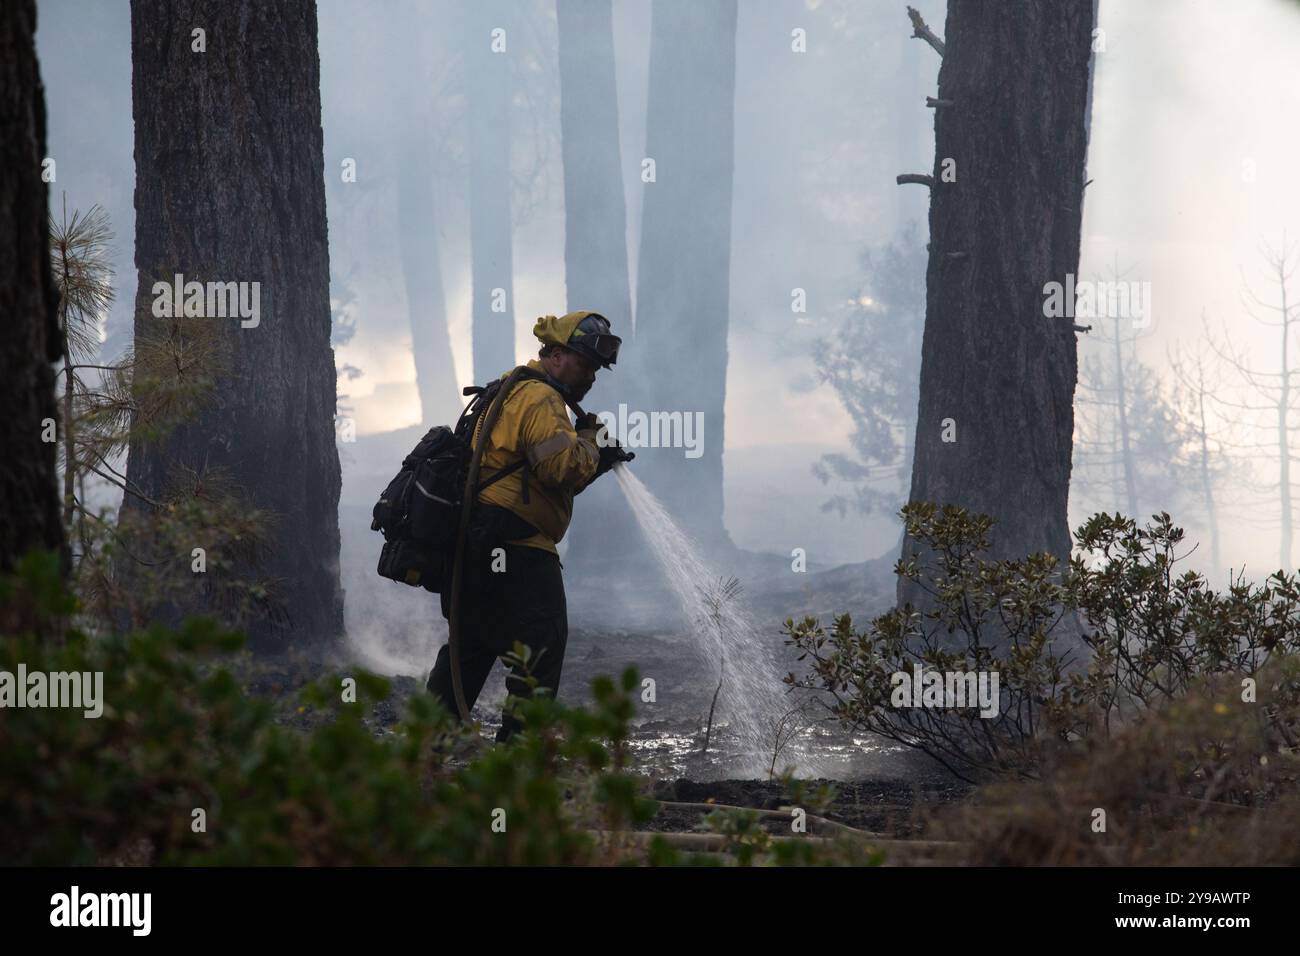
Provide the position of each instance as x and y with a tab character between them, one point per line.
878	785
621	618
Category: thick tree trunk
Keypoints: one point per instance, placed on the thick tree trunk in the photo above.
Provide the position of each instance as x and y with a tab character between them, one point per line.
230	188
1017	76
490	188
29	516
683	283
595	241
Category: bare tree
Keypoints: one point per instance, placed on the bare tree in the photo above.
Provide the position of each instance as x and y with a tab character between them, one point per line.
1198	398
783	729
1127	433
716	598
1273	395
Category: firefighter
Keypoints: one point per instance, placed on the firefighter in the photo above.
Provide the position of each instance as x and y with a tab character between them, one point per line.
512	587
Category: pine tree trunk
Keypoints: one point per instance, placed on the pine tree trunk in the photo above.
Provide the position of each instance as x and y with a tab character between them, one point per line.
1017	76
29	517
435	372
417	221
230	188
683	283
595	243
490	188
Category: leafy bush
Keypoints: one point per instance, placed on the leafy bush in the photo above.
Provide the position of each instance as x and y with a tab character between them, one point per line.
318	785
1081	653
1203	780
177	734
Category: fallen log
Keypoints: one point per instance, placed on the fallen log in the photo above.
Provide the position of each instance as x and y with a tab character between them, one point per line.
781	812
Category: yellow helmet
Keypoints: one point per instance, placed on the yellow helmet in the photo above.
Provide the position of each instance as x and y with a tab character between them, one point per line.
585	332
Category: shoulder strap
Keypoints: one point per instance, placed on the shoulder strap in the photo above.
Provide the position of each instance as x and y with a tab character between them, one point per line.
477	406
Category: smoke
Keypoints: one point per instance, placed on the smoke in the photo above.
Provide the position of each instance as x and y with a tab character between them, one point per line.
1191	161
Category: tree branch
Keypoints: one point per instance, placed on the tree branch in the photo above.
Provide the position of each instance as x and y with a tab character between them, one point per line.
922	32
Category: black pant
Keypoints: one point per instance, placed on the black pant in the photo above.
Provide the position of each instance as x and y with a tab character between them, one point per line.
524	602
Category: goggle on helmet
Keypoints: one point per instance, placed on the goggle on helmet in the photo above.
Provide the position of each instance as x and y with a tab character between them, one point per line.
593	339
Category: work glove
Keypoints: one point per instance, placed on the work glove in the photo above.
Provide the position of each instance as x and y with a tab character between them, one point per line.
611	455
588	426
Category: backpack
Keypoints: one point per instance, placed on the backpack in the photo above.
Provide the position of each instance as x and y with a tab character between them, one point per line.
419	512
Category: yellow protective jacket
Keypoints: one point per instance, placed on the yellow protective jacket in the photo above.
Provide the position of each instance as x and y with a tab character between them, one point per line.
534	421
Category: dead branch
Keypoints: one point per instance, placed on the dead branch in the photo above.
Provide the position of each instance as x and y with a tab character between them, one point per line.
922	32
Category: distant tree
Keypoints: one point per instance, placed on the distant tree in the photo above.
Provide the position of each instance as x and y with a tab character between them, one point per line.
684	274
872	360
1273	397
595	234
1128	440
1209	433
29	517
419	76
490	58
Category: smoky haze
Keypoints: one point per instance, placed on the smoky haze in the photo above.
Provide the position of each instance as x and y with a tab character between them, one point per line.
1190	165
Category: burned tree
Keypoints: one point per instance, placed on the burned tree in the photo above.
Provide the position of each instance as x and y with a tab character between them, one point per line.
28	301
230	221
996	413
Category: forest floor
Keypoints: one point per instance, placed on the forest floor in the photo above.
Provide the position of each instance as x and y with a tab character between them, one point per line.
874	785
615	624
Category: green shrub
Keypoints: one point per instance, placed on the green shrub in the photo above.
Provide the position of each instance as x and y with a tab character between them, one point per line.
315	784
178	734
1081	653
